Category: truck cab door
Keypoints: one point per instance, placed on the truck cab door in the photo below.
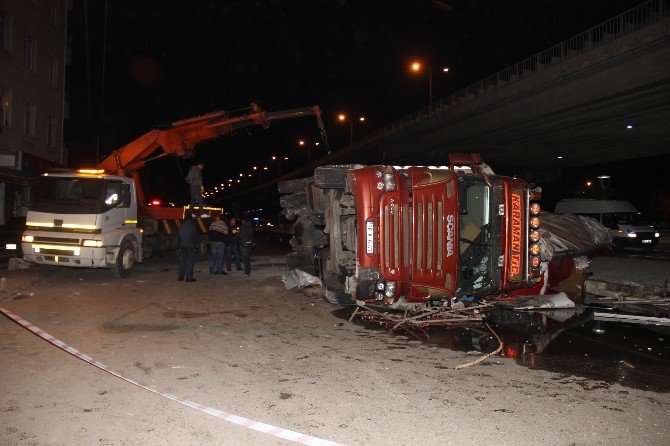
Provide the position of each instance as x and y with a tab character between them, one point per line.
113	206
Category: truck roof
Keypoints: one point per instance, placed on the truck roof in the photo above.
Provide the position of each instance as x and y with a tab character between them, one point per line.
590	206
77	174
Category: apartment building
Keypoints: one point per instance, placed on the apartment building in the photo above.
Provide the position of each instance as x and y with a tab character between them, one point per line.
33	56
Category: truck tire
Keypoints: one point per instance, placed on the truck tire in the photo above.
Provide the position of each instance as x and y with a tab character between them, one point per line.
295	200
290	186
332	177
124	261
333	292
302	262
337	296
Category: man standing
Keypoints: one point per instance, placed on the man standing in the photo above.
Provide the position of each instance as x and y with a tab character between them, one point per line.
194	178
246	242
218	233
232	248
188	248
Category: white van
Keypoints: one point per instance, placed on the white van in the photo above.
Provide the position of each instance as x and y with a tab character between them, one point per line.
621	217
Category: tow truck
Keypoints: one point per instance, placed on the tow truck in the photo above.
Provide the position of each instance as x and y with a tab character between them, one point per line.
98	218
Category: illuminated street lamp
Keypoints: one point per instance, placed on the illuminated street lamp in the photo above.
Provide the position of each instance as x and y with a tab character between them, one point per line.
342	118
417	67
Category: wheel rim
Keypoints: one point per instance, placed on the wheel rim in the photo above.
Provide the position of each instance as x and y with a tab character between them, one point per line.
127	259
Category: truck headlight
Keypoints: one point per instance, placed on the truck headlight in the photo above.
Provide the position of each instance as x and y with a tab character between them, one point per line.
93	243
27	238
656	234
380	286
389	181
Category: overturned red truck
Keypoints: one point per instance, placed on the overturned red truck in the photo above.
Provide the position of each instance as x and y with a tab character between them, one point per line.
400	235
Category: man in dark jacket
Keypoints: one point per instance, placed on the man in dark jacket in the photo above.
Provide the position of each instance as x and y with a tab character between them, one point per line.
189	241
232	248
194	179
218	233
246	242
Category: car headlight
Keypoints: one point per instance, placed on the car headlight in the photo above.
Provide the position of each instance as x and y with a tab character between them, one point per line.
632	234
656	234
93	243
27	238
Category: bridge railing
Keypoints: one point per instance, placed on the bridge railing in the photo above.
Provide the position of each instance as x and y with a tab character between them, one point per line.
623	24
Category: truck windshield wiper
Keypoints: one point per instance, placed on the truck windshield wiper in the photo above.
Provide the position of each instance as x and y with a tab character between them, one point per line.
472	242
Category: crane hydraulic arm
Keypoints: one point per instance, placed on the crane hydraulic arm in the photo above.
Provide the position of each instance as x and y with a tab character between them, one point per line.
182	136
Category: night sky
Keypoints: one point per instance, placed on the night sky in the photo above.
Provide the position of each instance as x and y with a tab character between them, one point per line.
168	60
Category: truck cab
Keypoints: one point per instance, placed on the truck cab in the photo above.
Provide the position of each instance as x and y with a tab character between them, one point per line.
435	233
84	219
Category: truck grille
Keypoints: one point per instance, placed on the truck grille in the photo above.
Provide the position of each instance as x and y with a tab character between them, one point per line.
63	241
429	234
396	224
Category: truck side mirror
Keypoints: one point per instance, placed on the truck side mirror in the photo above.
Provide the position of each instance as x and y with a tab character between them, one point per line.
125	195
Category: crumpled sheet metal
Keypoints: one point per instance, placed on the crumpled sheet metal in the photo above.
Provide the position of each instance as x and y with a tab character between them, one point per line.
569	233
299	279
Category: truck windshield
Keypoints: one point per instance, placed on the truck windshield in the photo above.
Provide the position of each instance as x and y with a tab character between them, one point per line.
475	250
68	195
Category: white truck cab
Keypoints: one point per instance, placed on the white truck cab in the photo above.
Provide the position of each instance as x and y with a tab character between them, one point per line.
84	219
622	219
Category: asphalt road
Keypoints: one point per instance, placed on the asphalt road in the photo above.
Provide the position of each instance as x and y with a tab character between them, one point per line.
247	346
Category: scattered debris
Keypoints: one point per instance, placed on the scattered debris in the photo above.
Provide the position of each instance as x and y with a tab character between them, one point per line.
545	302
16	263
299	279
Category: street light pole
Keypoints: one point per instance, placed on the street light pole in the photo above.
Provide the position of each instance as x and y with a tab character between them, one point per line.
430	88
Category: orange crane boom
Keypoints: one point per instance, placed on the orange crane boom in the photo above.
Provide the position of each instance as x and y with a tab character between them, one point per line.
182	136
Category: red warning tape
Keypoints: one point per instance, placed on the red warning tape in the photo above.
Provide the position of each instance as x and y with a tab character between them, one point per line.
246	422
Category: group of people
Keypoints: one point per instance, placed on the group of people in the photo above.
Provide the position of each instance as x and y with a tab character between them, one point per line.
227	239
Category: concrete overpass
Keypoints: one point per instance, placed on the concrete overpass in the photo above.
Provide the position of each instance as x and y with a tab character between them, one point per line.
602	95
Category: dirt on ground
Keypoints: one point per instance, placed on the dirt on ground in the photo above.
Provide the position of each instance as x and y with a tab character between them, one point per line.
248	346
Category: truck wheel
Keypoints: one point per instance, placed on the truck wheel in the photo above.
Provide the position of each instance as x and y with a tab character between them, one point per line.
290	186
124	261
295	200
333	292
336	296
332	177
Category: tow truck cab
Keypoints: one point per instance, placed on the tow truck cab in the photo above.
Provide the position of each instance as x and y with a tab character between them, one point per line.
434	233
82	219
